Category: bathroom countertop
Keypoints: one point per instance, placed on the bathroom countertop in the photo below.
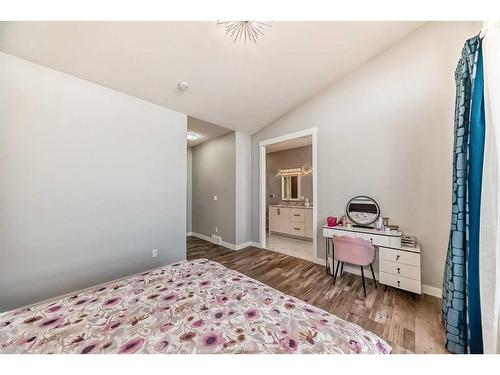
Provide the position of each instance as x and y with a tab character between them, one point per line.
288	206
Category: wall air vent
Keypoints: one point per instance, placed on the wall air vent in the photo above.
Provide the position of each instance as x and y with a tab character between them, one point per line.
216	239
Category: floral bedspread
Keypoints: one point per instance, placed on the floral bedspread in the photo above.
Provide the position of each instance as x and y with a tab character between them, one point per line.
194	306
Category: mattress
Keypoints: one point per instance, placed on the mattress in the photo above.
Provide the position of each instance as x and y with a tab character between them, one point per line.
196	306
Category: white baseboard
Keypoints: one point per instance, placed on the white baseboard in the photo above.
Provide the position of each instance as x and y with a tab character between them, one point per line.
432	291
188	234
201	236
228	245
247	244
225	244
240	246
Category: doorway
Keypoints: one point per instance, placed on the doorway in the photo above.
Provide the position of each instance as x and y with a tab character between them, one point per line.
288	194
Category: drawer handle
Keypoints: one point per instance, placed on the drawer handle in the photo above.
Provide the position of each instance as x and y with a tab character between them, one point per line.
296	215
296	228
399	270
398	282
397	257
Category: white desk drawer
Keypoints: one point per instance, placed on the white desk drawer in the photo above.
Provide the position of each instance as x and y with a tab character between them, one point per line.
376	240
400	282
327	232
297	215
399	269
399	256
297	229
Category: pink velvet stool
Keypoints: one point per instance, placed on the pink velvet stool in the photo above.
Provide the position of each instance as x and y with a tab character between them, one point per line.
354	251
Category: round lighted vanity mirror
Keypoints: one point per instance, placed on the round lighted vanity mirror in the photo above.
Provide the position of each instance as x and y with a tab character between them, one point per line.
362	210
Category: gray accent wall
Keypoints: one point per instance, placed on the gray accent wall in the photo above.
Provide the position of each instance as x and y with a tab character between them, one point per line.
386	130
91	180
300	157
214	173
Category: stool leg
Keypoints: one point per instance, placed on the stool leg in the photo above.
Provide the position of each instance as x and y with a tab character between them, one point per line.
336	271
342	269
373	274
363	278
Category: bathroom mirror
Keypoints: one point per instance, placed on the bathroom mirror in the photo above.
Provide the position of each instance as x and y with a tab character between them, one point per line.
362	210
290	187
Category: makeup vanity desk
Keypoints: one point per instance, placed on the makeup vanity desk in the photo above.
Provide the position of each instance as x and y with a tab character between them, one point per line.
398	266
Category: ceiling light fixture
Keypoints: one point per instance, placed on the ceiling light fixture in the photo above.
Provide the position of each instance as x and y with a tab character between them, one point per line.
244	30
192	136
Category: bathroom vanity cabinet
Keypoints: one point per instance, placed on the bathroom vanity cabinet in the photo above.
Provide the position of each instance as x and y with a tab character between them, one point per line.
291	220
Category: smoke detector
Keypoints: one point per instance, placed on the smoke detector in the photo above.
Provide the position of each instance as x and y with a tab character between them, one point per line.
183	85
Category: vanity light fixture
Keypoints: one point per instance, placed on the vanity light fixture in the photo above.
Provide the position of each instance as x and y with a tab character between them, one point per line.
289	171
307	172
294	171
192	136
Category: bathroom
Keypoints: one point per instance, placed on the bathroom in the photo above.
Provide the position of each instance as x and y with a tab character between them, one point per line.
289	197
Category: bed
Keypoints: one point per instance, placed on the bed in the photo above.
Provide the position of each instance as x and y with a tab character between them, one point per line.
196	306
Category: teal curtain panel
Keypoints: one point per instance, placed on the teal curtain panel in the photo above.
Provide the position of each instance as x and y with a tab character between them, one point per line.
461	306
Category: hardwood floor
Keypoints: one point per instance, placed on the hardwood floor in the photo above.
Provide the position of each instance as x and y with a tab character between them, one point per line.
408	325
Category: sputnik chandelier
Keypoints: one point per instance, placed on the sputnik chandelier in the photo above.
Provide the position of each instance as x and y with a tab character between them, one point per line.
243	31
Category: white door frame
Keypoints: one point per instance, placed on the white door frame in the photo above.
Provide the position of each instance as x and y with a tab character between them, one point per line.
262	184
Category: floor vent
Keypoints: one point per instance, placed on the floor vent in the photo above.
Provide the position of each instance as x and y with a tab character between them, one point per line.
216	239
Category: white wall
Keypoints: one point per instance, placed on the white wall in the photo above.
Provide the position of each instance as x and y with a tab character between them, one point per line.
243	188
386	130
189	197
91	181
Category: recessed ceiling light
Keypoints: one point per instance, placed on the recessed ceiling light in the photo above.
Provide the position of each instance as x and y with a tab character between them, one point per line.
192	136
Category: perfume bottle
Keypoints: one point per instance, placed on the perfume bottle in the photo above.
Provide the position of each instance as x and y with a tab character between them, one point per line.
380	224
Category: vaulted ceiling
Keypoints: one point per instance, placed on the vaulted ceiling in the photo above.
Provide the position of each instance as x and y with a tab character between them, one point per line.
239	86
